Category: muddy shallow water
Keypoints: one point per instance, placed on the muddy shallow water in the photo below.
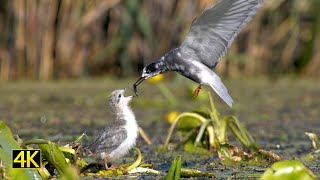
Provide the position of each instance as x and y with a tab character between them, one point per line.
276	112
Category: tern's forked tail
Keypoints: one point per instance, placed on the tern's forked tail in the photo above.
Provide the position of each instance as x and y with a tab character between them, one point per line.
217	85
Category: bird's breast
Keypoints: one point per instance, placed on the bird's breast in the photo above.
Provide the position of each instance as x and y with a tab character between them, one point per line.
131	127
194	70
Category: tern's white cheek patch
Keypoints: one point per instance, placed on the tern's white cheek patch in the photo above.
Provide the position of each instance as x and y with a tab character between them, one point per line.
144	73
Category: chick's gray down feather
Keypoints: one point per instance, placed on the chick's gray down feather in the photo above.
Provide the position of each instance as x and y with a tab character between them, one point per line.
110	138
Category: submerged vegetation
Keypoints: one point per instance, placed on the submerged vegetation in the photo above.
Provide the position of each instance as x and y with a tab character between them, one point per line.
67	163
199	132
64	161
206	132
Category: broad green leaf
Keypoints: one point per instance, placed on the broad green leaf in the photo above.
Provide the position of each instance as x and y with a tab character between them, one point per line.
7	143
288	170
56	158
68	153
187	123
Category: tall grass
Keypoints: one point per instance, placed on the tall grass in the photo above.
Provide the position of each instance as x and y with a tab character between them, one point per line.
56	39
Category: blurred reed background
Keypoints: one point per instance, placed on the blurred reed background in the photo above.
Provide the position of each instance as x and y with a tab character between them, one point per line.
58	39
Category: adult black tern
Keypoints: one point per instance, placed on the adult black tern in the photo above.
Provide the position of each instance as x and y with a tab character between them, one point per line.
208	40
118	138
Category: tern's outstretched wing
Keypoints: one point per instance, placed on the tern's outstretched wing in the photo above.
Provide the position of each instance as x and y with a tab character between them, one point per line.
213	32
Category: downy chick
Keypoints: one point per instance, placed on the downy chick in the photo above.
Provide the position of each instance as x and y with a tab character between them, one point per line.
118	138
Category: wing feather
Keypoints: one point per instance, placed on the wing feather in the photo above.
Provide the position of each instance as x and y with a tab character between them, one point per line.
108	140
213	32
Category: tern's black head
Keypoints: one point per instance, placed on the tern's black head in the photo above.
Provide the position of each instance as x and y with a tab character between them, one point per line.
149	71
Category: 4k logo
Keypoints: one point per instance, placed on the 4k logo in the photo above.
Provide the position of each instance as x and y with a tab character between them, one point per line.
25	158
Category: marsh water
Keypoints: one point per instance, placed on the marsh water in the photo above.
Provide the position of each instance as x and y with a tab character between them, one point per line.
277	112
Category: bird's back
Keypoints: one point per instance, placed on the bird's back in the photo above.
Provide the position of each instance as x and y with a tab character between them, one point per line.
108	140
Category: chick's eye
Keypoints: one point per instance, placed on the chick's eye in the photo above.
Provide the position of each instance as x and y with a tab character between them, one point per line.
119	96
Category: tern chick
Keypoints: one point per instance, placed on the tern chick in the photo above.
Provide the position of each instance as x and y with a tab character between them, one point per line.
118	138
209	38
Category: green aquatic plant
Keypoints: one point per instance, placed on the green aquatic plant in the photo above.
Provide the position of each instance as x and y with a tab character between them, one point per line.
55	158
207	132
214	125
7	143
287	170
314	140
136	167
295	169
58	161
315	153
176	171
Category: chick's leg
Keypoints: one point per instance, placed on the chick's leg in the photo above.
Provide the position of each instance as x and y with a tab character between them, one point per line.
107	164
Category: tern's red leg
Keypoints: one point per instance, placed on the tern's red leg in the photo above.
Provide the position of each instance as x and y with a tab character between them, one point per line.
196	91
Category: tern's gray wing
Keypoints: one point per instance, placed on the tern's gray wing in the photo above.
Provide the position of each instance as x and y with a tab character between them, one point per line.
109	139
213	32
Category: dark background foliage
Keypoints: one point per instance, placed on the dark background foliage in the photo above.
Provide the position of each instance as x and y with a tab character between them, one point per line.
58	39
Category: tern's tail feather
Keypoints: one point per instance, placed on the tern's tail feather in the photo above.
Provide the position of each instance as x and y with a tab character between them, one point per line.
217	85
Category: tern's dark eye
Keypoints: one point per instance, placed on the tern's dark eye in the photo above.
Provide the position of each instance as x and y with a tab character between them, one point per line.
151	68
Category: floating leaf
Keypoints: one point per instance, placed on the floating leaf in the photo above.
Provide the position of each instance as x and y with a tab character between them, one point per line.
288	170
188	173
143	170
110	172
